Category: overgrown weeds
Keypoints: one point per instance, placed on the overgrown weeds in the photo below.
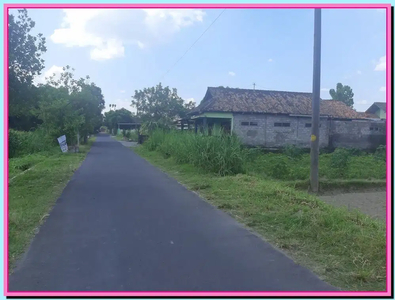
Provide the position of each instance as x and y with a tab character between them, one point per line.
28	142
224	155
217	153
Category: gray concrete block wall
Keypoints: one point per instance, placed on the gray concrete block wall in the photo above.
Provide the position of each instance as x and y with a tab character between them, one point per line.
265	134
361	134
250	135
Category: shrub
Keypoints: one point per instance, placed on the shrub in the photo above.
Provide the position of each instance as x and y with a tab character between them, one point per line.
29	142
13	143
356	152
380	153
133	136
293	152
340	159
279	170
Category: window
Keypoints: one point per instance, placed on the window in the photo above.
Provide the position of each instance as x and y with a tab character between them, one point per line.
309	125
249	124
282	124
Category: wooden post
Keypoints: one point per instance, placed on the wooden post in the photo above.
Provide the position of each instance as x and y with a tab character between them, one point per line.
204	124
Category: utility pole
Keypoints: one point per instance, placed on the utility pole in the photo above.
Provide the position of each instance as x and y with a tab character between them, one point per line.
314	150
254	85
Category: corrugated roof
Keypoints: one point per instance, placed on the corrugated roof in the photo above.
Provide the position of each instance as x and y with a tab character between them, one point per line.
219	99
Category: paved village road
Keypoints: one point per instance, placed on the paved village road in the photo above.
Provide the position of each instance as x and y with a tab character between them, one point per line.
123	225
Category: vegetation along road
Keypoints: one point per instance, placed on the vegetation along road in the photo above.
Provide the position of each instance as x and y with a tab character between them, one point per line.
121	224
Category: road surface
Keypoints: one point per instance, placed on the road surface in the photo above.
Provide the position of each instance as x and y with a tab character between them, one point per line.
123	225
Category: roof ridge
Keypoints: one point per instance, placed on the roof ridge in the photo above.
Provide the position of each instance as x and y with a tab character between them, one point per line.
213	87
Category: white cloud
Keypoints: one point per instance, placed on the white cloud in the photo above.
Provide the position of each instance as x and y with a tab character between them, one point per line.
107	31
190	99
54	70
232	73
270	60
140	45
122	92
382	89
359	72
112	49
175	18
381	65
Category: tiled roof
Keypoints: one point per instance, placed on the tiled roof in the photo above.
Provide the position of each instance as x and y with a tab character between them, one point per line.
219	99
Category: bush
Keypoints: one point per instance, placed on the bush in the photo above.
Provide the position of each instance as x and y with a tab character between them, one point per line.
14	143
293	152
134	137
29	142
280	170
356	152
340	159
380	153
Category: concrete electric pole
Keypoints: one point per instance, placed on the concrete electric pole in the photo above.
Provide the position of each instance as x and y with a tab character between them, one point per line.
315	126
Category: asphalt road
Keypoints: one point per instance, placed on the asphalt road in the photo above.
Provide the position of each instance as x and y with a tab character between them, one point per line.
123	225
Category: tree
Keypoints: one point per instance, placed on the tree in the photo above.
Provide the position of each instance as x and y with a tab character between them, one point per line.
113	117
24	63
69	106
343	94
159	104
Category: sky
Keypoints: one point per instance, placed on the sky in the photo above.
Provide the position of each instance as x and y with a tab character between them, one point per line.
126	50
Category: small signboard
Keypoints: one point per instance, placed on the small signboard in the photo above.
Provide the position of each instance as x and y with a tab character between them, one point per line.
63	143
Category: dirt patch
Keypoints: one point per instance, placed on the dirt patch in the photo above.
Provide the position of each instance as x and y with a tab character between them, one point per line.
370	203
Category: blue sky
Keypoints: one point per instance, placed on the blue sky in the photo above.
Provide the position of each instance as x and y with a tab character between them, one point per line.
125	50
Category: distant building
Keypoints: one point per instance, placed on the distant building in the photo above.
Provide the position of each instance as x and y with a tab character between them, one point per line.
377	109
274	119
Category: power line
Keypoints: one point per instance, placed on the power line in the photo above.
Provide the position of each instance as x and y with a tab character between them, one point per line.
212	23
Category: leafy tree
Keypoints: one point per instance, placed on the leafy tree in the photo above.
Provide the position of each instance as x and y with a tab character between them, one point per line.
343	94
24	63
69	106
159	104
113	117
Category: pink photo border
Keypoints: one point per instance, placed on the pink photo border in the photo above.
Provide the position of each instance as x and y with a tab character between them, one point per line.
387	7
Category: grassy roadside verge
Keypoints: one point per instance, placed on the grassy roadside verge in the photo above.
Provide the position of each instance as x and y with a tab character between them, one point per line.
37	182
346	249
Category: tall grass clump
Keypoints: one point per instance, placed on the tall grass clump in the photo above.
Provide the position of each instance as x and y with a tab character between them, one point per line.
215	152
29	142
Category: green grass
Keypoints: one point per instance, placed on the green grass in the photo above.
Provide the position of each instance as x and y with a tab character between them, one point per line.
38	181
118	137
346	249
279	166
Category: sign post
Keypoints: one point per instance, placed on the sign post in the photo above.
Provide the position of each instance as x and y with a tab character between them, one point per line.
63	144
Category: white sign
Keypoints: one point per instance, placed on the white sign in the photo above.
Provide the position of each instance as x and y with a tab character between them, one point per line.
63	143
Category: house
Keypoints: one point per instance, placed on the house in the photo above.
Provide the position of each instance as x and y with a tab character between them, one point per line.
274	119
377	109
